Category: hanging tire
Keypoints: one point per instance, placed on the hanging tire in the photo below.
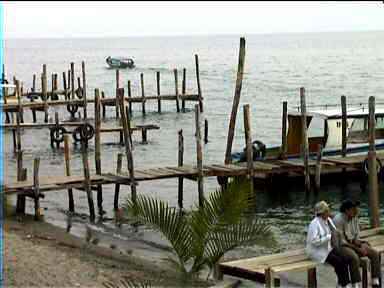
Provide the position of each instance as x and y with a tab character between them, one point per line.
83	133
79	93
57	134
72	108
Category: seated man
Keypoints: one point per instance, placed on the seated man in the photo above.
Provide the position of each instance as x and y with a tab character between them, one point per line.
347	222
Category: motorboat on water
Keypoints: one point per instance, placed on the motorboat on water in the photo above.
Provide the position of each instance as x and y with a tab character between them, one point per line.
324	127
119	62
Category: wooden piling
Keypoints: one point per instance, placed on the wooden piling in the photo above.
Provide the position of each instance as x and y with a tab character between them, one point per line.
57	126
69	84
142	94
67	157
180	164
36	187
304	140
34	83
87	186
248	144
84	90
198	83
20	107
72	80
129	96
98	149
199	156
45	95
65	87
183	89
205	131
117	185
284	131
344	140
372	168
117	87
21	176
18	117
236	101
128	149
318	169
103	97
176	90
158	91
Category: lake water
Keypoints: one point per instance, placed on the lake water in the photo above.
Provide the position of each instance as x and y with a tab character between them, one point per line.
328	65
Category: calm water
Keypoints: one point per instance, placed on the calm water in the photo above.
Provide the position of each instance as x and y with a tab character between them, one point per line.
328	65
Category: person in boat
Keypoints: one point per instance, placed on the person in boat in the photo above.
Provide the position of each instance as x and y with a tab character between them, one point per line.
347	222
319	244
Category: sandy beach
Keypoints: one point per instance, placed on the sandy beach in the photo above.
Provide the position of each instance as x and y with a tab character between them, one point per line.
37	254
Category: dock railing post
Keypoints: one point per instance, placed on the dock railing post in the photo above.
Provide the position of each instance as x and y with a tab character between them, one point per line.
372	168
284	131
84	90
180	164
129	96
98	150
236	101
248	143
117	185
67	158
128	148
117	88
158	91
36	187
304	140
183	89
177	90
200	97
199	155
142	94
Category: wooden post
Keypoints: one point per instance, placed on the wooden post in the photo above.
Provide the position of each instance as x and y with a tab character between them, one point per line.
236	100
84	90
304	140
69	84
344	140
269	278
18	116
57	126
205	131
117	185
284	131
372	168
34	83
183	89
176	90
248	143
158	91
129	96
318	168
67	157
19	94
72	80
87	185
65	86
128	149
36	187
45	96
198	83
103	97
311	278
98	149
21	176
117	87
142	94
199	155
180	164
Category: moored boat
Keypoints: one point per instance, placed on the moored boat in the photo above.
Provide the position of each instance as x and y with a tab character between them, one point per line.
121	63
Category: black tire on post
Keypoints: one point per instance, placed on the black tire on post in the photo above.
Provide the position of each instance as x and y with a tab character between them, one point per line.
57	134
379	167
83	133
79	93
72	108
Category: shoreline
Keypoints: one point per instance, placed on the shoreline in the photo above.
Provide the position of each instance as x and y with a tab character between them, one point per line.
38	254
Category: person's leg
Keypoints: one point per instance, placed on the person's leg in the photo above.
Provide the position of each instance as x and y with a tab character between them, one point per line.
353	261
341	267
374	257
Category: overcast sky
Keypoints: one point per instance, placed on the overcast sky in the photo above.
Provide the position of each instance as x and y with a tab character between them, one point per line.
101	19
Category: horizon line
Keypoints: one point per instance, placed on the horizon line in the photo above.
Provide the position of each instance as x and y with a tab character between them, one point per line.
185	35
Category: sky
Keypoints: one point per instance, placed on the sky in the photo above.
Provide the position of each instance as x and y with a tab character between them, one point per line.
50	19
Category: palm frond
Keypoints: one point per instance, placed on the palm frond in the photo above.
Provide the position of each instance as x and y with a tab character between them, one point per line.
166	220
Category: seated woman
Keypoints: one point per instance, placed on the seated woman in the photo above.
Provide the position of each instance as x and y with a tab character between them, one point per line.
319	247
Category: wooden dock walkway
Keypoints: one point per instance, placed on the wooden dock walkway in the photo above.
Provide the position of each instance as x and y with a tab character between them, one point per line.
261	169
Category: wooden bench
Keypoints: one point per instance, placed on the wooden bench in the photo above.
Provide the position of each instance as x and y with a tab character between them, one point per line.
265	269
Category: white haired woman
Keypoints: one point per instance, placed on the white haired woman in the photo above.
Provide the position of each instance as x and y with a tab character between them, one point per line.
319	246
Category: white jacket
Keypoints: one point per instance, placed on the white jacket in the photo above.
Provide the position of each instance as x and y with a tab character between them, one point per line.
319	236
